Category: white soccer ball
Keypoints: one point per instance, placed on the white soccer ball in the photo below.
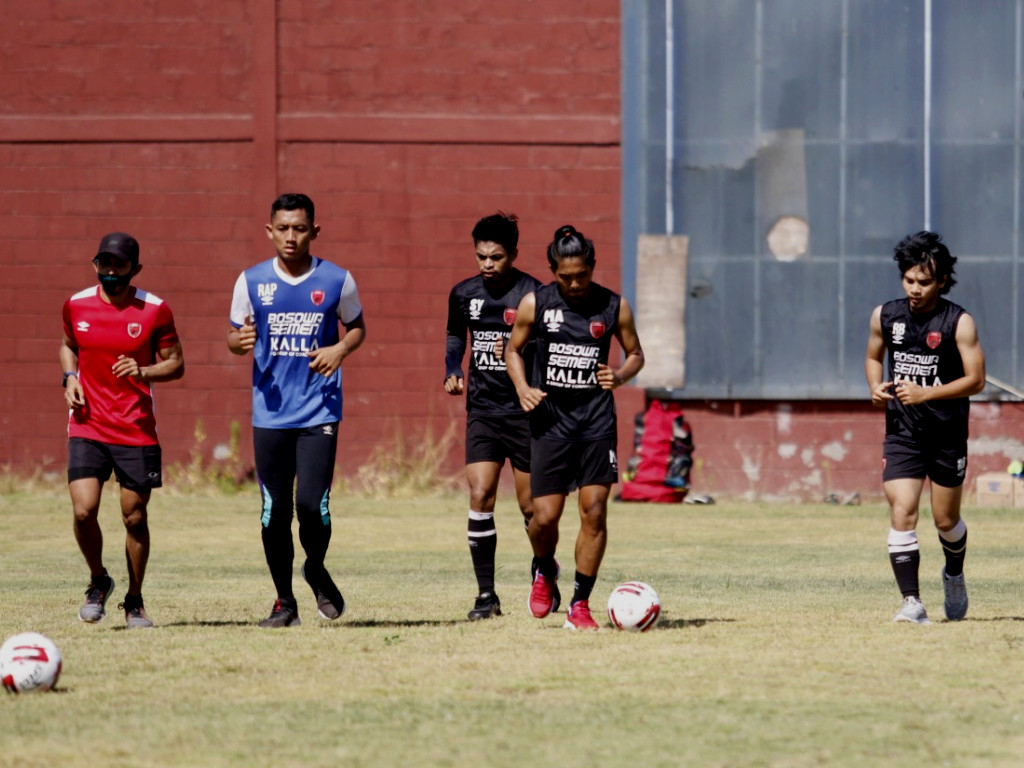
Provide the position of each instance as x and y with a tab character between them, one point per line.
634	606
29	662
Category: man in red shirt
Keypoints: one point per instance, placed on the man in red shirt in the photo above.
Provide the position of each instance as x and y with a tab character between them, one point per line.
118	339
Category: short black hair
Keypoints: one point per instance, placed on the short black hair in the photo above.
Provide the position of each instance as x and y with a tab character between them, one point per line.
926	249
568	243
501	228
294	201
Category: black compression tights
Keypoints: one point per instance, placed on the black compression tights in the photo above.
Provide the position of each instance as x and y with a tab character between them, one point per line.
282	457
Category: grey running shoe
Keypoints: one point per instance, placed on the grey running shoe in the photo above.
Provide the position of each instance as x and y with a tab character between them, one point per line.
135	615
285	613
956	596
912	611
96	595
487	605
329	602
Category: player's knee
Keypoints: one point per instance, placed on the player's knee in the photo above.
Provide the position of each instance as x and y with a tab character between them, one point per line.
85	514
594	517
481	497
134	519
278	520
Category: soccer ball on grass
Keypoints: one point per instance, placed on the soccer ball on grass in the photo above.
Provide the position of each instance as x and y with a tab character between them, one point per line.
29	662
634	606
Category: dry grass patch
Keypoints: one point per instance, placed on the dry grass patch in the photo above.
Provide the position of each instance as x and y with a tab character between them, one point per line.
776	647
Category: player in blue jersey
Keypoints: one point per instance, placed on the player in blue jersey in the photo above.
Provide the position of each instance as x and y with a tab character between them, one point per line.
935	364
287	312
484	307
573	423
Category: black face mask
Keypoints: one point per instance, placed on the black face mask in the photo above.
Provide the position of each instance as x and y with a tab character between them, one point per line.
114	284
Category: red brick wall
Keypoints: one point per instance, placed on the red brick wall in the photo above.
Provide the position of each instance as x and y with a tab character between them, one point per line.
179	122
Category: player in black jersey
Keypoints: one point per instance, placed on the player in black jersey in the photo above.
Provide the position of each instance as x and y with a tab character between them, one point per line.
572	409
484	306
935	363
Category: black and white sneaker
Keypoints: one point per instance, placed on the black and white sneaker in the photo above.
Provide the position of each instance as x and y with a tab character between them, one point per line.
487	606
285	613
329	602
96	595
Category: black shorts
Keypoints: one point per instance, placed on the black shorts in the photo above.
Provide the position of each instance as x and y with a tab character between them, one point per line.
560	467
943	463
137	467
496	438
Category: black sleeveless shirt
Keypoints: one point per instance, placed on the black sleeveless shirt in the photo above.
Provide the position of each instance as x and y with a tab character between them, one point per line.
571	340
486	315
922	349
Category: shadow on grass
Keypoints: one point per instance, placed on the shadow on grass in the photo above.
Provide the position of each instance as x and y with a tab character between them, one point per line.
393	623
362	624
685	623
197	623
372	623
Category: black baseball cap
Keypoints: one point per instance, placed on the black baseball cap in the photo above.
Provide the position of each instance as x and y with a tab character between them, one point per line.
121	246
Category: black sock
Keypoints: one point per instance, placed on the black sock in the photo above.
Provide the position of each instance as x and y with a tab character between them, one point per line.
483	543
955	552
582	587
131	602
905	566
547	566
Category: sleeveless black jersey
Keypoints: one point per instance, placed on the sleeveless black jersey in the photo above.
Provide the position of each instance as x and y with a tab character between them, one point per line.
485	316
922	349
571	341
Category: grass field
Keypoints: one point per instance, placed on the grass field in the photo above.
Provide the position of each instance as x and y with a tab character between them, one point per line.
776	646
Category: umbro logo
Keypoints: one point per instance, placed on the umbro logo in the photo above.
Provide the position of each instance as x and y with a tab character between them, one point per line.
553	319
265	292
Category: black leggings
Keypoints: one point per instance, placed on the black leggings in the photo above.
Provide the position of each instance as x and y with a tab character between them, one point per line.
282	455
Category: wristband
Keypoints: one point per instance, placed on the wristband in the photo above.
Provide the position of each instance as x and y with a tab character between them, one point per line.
67	375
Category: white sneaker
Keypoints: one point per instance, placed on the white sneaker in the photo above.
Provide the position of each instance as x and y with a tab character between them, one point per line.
956	596
912	611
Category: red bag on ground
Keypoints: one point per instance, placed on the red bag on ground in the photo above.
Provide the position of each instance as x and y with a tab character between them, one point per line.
659	470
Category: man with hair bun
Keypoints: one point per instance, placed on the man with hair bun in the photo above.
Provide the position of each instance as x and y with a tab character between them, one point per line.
935	363
573	422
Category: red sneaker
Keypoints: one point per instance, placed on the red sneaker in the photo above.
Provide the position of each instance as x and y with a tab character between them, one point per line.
579	616
540	596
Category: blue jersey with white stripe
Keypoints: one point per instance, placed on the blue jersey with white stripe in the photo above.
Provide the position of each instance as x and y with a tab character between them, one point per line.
293	317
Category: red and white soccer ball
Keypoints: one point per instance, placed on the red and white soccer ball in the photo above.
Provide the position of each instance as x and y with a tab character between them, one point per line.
634	606
29	662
